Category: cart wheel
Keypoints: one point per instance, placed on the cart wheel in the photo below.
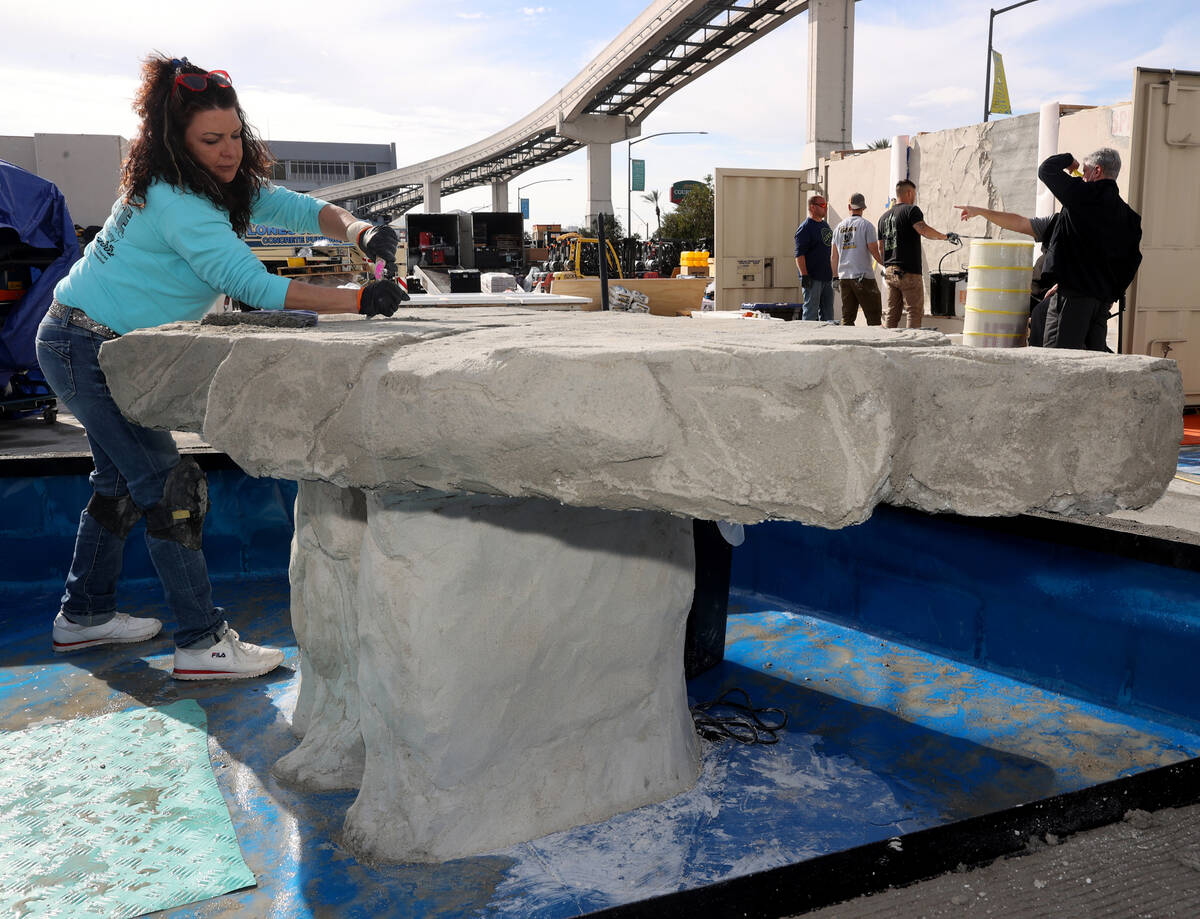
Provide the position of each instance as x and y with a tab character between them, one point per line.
49	415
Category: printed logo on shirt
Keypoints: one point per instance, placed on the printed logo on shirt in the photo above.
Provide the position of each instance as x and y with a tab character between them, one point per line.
826	234
103	247
123	219
889	233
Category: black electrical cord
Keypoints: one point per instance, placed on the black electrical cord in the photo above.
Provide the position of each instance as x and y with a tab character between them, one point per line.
738	721
958	245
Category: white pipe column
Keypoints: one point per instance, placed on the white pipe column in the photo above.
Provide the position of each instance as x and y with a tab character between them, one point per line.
433	195
830	79
500	197
1048	121
599	132
898	167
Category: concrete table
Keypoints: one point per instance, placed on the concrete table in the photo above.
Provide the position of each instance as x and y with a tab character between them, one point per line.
493	560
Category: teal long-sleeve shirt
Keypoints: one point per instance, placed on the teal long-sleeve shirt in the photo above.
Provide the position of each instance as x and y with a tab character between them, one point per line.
168	260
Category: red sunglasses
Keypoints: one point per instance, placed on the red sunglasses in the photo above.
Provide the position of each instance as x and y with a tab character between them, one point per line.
198	82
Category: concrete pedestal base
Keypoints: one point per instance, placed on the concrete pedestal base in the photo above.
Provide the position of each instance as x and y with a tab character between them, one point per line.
330	525
495	669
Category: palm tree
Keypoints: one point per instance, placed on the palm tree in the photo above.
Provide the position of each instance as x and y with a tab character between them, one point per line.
882	144
653	197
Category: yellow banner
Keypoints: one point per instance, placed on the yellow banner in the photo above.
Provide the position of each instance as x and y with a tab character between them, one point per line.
1000	105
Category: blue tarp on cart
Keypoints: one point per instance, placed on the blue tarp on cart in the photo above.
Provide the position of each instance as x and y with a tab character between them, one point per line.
37	210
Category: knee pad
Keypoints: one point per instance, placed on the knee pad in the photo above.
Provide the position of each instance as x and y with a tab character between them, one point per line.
179	516
117	515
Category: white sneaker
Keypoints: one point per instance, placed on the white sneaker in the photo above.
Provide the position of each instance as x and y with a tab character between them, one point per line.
229	659
121	629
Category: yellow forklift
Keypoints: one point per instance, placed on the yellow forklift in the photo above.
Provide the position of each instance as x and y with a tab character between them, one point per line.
580	255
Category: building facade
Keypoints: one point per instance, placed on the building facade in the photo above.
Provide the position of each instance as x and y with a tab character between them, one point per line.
87	167
305	165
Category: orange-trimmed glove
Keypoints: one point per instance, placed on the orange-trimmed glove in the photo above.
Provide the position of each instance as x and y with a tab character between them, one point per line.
380	298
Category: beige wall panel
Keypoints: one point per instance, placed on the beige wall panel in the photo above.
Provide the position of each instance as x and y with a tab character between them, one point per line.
757	212
87	170
1106	126
867	173
19	151
1164	301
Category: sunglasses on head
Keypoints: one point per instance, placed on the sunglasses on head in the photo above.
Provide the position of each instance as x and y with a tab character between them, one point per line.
198	82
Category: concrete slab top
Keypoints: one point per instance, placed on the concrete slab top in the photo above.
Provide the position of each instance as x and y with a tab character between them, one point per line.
738	420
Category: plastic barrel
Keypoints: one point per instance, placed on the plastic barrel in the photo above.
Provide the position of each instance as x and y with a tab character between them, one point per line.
998	275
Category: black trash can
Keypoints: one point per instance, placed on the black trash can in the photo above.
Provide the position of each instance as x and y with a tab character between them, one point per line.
464	281
704	642
942	291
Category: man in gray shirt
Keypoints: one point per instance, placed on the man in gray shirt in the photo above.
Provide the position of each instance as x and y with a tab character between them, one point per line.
855	243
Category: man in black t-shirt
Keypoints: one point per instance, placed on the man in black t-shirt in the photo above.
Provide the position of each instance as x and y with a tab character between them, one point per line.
900	232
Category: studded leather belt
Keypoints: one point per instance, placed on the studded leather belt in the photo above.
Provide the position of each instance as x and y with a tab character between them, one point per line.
81	319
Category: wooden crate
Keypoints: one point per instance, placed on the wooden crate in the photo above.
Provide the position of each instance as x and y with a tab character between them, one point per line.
668	296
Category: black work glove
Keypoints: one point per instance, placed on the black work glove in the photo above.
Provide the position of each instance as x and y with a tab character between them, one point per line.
378	242
805	282
954	239
380	298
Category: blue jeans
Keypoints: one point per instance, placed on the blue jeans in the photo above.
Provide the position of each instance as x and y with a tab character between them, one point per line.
818	301
129	460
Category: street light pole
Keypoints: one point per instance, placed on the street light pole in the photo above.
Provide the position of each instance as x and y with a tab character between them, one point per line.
987	76
629	168
521	188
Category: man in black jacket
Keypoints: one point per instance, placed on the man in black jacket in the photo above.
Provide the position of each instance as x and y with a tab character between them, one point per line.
1092	246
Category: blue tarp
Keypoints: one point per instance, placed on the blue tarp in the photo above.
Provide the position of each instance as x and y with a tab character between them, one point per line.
37	210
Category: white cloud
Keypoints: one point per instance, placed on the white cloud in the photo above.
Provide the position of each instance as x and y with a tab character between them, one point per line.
943	96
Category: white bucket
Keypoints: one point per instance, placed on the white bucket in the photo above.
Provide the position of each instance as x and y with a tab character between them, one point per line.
997	309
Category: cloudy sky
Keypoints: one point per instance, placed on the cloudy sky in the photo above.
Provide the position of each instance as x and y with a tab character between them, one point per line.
433	77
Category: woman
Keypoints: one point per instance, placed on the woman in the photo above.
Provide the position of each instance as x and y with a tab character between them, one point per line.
194	180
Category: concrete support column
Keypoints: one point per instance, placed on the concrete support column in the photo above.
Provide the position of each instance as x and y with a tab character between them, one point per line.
599	180
599	132
500	197
433	195
830	79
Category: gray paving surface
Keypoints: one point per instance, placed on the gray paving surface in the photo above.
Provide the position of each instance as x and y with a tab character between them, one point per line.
32	437
1148	865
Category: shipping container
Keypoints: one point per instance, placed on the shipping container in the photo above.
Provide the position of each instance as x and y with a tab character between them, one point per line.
433	240
497	240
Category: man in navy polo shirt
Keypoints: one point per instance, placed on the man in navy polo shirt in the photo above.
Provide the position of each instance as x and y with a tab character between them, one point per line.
814	238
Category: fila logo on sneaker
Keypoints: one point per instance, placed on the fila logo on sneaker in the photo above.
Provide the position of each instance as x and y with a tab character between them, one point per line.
218	654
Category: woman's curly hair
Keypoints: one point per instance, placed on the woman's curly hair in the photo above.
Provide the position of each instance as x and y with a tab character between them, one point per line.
159	152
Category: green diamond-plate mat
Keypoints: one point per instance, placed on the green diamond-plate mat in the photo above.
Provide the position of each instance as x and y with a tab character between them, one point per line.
114	816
